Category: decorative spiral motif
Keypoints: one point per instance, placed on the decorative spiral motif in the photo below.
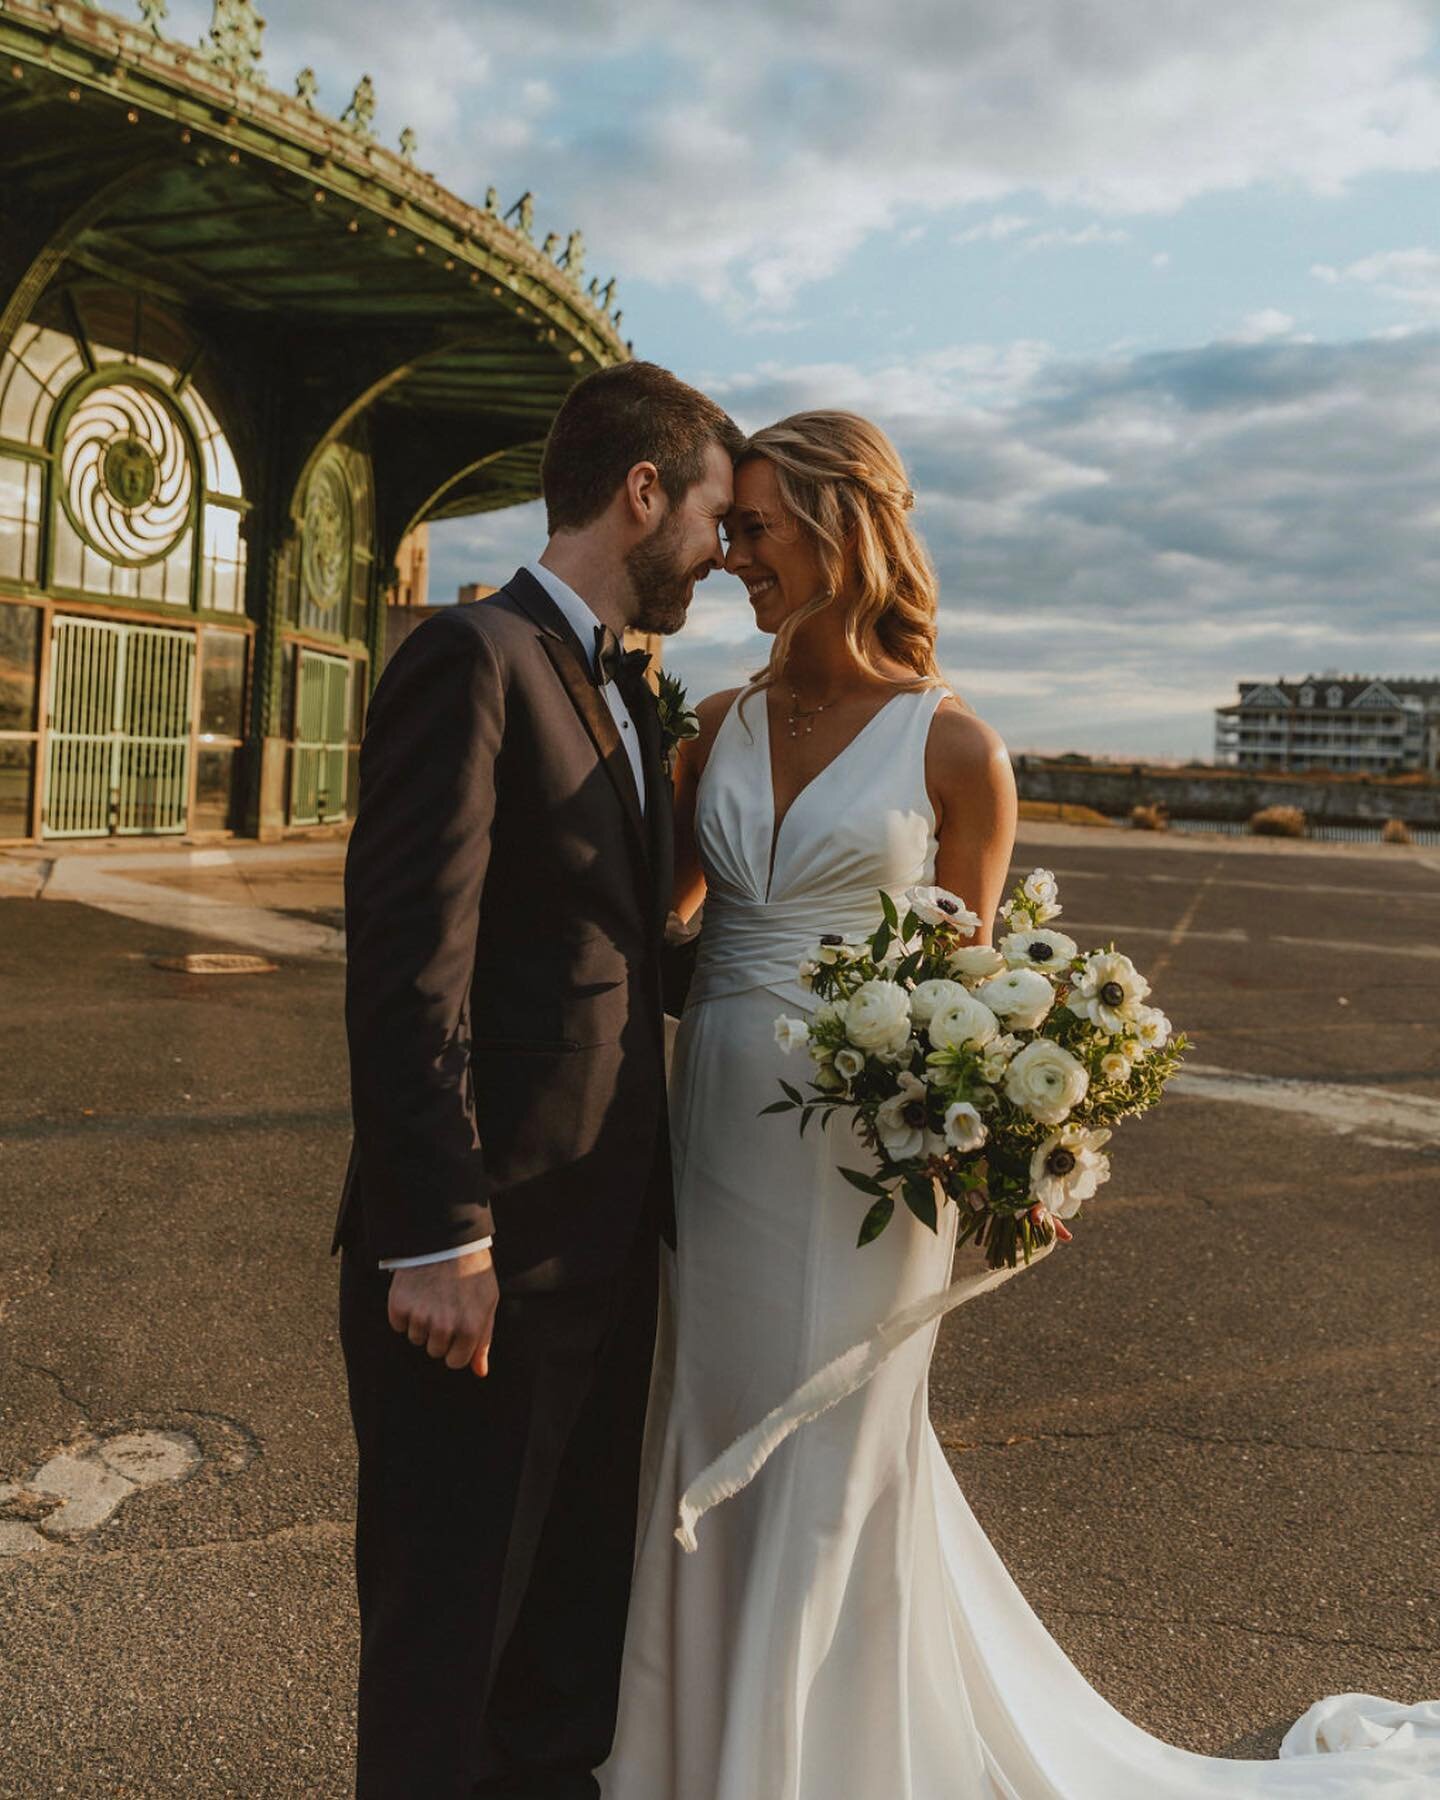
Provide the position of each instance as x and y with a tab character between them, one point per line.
328	535
128	481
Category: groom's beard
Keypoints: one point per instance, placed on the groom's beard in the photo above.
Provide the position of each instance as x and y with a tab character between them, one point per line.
661	583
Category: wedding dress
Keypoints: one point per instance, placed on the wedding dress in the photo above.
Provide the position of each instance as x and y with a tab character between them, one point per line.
845	1630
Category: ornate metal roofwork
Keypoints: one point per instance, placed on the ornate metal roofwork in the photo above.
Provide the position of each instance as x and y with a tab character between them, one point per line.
175	172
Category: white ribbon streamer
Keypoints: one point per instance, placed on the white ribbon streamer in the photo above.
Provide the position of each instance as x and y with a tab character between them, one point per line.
738	1466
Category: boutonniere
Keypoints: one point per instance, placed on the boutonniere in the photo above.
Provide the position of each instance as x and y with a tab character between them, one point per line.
677	721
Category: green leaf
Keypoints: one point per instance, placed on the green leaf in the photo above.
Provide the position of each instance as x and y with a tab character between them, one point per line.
804	1120
867	1184
891	912
920	1198
911	925
794	1093
875	1221
883	939
777	1106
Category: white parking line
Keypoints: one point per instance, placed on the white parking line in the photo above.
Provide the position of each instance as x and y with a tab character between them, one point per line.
1295	888
78	880
1381	1116
1236	935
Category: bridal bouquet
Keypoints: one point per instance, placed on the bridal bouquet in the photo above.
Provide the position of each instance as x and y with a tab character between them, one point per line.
990	1077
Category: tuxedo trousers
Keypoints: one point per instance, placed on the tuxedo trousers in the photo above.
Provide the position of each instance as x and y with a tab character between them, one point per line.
495	1532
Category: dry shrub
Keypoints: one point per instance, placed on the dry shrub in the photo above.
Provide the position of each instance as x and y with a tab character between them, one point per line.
1396	831
1278	821
1054	812
1149	817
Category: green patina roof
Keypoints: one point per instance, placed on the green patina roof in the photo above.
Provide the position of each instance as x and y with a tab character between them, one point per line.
171	170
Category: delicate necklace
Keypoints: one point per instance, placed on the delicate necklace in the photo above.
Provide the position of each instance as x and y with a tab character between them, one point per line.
808	714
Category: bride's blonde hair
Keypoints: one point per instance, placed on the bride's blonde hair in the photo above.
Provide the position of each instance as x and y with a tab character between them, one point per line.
844	482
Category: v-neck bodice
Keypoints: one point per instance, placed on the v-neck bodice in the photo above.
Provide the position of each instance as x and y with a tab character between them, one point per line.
863	823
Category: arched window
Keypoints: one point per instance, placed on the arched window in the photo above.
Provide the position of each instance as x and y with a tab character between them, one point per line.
1334	697
1307	696
334	566
116	479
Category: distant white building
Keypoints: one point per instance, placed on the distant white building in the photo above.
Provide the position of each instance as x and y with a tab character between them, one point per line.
1355	724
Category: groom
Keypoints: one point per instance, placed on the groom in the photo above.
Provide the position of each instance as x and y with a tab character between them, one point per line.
506	892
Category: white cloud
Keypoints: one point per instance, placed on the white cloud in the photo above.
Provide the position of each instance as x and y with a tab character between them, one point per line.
1407	277
994	229
1077	239
748	155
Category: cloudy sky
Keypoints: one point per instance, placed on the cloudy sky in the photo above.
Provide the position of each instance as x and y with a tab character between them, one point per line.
1147	291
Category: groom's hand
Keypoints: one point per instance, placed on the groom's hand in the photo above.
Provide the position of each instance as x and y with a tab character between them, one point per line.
449	1308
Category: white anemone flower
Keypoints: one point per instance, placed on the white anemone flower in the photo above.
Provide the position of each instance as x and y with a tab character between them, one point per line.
938	906
1021	997
1152	1027
1108	992
1067	1168
1048	951
964	1128
900	1120
840	947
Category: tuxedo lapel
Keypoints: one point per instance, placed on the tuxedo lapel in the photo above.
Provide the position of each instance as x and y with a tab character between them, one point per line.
659	797
567	657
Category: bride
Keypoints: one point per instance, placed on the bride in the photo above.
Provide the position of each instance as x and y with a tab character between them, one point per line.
845	1631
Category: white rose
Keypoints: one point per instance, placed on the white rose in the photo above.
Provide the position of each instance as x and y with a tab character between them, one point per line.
962	1021
1021	997
964	1128
930	996
791	1034
1108	992
1047	1081
900	1121
1040	889
1037	949
878	1017
1115	1067
938	906
975	962
1152	1027
849	1063
1067	1168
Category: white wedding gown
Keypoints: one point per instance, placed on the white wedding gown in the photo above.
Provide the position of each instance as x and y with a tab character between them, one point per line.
845	1631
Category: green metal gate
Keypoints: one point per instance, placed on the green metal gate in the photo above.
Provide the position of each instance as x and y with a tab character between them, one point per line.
317	786
121	708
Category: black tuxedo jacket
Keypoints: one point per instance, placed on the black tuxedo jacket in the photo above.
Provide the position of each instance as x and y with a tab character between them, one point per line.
505	902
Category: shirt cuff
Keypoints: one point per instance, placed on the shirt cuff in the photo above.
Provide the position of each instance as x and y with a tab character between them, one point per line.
436	1256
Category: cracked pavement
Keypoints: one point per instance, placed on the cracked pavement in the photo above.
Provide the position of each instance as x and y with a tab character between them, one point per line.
1202	1436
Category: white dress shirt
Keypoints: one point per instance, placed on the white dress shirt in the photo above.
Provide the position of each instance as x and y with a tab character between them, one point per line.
583	623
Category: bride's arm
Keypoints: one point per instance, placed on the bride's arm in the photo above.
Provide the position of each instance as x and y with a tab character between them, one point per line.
689	889
972	788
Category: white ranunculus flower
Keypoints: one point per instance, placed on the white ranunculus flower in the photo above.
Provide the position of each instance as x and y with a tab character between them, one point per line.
1108	992
900	1121
975	962
1067	1168
878	1017
849	1063
938	906
1115	1067
1047	1081
1037	949
1021	997
962	1021
964	1128
1042	894
929	996
1152	1027
791	1034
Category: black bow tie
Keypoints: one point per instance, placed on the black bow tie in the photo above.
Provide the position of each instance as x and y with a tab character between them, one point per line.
612	663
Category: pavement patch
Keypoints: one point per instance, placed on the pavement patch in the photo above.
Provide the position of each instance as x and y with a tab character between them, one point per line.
81	1487
1385	1117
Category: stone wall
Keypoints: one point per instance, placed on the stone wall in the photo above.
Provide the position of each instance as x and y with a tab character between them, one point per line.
1196	794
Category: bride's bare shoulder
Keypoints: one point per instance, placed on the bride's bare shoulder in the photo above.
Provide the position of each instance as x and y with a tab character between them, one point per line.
712	709
963	747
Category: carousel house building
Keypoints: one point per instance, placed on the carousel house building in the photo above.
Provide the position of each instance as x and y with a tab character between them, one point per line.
246	351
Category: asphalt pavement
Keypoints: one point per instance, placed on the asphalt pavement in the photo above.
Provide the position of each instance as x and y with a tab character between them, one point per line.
1202	1436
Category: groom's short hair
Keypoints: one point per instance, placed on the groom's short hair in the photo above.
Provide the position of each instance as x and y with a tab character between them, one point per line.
611	420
